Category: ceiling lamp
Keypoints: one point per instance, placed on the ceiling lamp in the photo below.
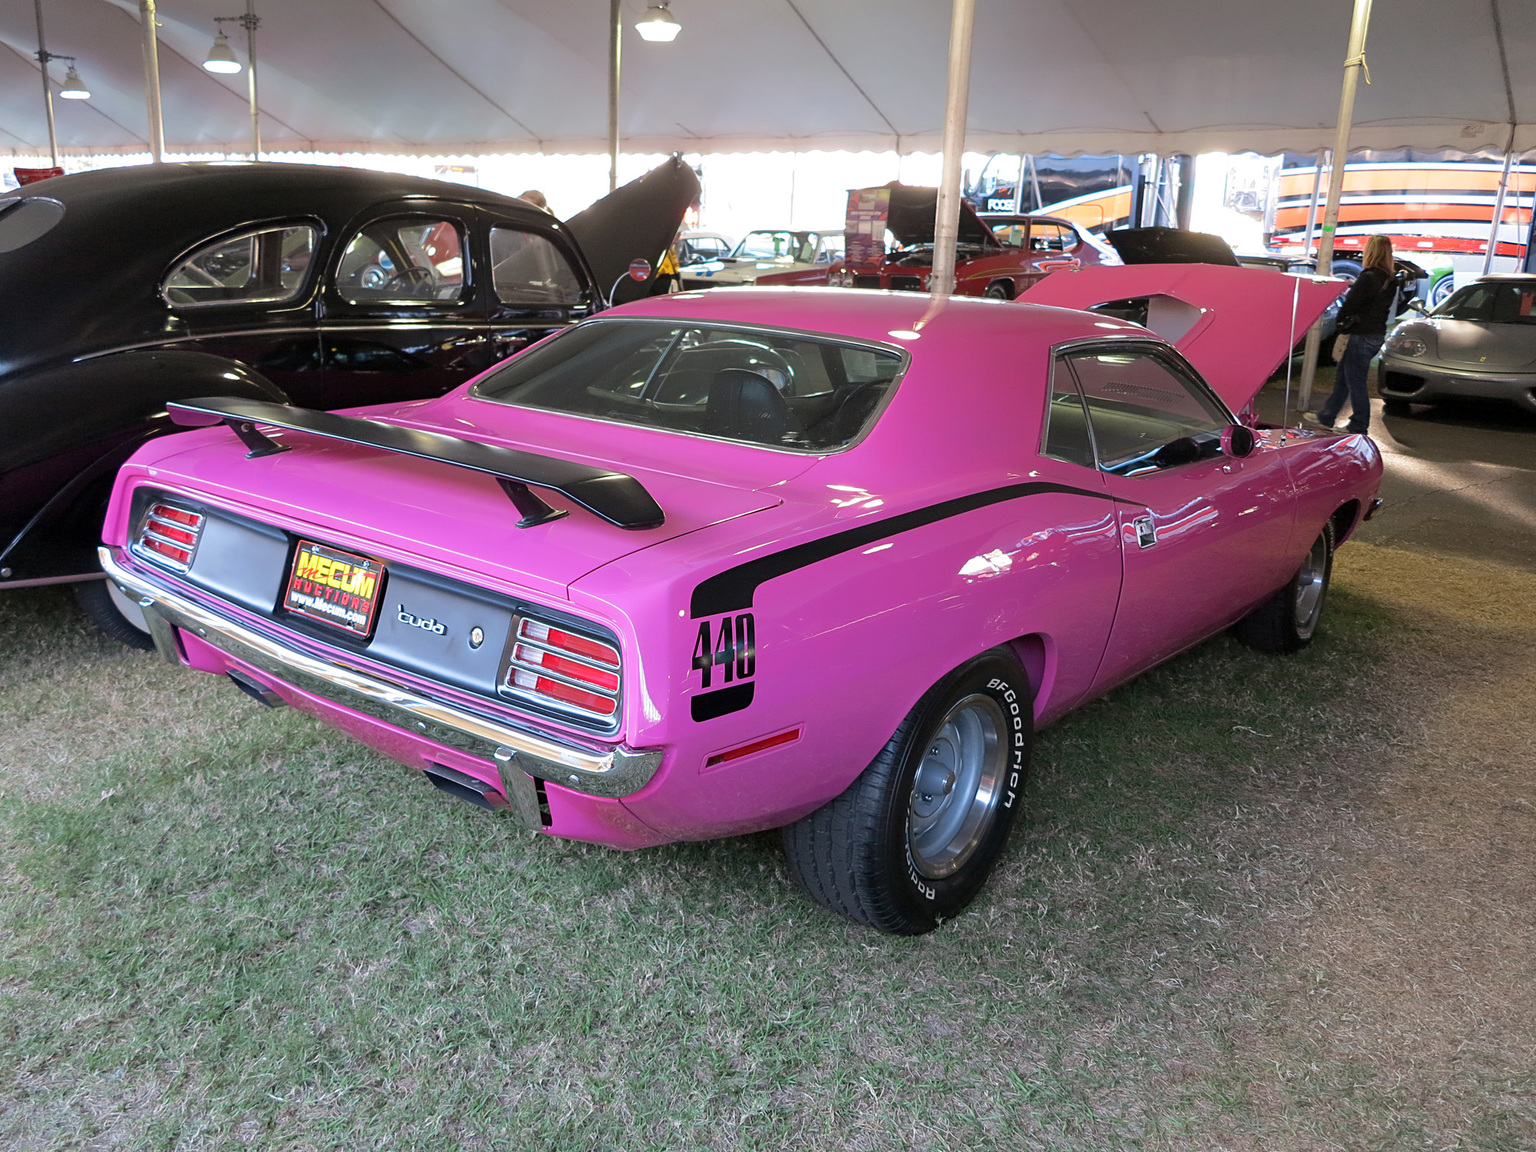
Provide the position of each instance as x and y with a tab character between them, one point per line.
658	24
73	89
221	57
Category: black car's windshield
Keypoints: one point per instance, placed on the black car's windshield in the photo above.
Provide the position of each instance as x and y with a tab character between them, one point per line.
777	245
747	384
1492	301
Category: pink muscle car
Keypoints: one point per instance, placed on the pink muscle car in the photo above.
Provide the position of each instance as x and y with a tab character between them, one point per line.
811	559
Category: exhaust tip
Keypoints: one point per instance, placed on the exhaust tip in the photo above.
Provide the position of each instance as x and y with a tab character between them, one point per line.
466	787
256	690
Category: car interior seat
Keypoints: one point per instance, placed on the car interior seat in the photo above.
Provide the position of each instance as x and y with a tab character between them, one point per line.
746	406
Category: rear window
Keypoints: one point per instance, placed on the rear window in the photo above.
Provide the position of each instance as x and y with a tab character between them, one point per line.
746	384
263	266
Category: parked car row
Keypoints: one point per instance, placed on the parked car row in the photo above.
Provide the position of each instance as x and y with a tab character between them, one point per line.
698	565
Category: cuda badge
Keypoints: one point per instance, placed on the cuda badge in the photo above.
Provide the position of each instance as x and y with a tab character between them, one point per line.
426	624
1146	531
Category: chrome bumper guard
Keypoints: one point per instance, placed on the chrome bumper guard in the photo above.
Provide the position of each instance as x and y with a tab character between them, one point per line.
598	770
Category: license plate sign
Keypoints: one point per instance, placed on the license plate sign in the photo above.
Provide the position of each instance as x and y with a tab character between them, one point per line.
334	587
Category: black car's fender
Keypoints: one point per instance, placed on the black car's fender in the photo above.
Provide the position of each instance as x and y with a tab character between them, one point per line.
68	428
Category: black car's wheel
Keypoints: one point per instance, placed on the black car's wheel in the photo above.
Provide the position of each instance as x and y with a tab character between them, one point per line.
116	615
1288	620
998	291
912	840
1397	407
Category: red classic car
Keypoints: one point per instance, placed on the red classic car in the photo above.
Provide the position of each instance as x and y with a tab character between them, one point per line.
997	256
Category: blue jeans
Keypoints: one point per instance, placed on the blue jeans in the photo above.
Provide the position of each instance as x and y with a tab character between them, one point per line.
1351	381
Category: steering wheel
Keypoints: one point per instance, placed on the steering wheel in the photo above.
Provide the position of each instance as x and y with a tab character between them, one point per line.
412	279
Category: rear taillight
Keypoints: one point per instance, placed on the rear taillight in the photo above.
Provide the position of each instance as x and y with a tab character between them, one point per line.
169	536
565	670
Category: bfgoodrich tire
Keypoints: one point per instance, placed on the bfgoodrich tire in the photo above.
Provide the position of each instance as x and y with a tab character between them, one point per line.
1287	621
913	839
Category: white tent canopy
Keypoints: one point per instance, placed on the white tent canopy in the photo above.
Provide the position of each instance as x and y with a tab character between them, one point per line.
468	77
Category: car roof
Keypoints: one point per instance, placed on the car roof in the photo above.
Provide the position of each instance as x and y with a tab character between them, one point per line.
122	227
1510	277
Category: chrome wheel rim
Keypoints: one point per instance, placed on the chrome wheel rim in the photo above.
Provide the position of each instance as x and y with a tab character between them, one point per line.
957	786
1309	587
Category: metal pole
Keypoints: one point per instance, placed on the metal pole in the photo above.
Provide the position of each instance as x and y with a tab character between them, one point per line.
1353	64
251	21
615	41
43	56
152	81
946	223
1317	188
1498	209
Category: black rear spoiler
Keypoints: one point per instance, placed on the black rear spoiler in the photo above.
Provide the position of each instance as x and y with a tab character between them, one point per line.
617	498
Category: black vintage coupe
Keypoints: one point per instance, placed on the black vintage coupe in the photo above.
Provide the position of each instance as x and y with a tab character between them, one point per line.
123	290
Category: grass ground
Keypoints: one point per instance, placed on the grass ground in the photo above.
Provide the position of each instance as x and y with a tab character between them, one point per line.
1254	903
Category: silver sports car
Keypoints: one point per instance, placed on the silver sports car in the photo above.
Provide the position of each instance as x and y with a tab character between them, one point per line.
1480	342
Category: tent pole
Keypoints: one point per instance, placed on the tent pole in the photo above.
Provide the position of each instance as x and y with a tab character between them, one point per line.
946	224
1317	188
43	56
1498	206
615	40
1354	63
152	81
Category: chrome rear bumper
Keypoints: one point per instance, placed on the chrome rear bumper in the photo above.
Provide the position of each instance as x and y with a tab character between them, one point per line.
598	770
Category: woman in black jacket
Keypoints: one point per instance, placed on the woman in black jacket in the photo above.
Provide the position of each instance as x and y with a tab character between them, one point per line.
1363	317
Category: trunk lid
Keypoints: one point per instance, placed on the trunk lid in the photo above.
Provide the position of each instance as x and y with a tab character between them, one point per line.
388	504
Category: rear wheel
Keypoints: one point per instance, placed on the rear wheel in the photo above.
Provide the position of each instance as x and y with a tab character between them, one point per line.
115	614
912	840
1287	621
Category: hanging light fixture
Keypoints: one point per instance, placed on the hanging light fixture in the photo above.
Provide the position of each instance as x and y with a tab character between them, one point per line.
73	89
221	57
658	24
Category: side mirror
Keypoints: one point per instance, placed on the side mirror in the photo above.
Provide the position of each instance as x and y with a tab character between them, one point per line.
1238	440
1414	305
639	269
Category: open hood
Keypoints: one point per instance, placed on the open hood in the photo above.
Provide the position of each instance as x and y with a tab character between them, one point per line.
635	222
1170	246
1235	325
912	217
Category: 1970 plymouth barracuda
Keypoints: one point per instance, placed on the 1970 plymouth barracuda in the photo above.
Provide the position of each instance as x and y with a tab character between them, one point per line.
801	558
325	287
1480	342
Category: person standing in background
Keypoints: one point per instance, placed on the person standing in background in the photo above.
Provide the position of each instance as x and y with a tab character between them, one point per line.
1363	320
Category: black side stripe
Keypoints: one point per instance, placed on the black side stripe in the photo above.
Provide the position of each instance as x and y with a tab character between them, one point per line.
733	589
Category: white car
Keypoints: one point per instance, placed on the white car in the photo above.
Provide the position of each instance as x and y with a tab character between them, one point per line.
771	256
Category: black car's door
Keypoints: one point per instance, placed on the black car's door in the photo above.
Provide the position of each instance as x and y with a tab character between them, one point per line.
403	309
536	284
250	295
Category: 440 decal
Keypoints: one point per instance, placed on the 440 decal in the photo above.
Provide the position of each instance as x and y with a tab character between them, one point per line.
724	650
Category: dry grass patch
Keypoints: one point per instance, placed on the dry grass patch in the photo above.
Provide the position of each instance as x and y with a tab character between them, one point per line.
1411	955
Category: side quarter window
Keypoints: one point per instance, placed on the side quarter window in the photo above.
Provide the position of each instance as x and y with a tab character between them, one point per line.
528	270
1066	436
1145	414
403	260
262	266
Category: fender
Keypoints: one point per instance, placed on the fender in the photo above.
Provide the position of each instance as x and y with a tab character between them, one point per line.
69	429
